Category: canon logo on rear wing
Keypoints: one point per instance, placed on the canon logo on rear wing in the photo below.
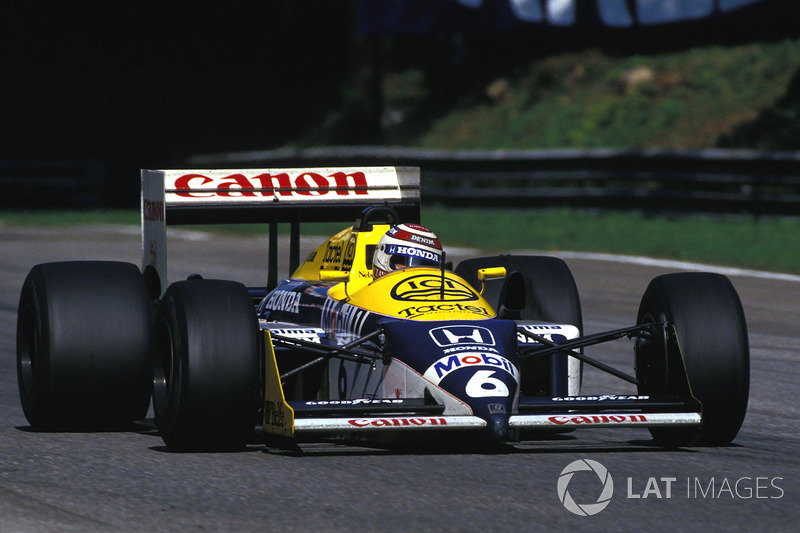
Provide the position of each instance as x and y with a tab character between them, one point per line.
285	184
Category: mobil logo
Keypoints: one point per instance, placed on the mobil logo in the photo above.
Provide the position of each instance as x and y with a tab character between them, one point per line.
449	364
446	336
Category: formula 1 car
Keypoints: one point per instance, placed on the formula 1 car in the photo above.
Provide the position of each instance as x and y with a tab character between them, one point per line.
492	350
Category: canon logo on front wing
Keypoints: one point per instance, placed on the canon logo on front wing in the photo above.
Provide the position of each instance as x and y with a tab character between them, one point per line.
397	422
596	419
267	184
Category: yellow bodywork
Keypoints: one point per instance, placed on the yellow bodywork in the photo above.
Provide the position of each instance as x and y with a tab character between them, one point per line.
347	251
414	293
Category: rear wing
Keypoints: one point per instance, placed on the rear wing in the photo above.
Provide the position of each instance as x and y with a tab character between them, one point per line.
266	196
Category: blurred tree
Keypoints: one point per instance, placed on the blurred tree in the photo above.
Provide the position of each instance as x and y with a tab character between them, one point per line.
776	127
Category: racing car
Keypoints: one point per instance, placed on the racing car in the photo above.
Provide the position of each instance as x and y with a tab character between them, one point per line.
490	350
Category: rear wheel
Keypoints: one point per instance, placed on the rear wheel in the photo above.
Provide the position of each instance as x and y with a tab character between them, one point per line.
709	322
550	295
83	343
206	366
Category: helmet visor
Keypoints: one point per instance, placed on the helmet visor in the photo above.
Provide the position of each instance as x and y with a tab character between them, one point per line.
404	261
409	256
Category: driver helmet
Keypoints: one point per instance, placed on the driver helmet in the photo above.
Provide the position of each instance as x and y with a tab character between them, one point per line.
406	245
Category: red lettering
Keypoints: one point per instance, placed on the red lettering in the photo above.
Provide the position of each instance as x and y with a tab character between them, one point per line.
397	422
183	187
595	419
267	180
153	210
241	182
303	188
267	184
343	186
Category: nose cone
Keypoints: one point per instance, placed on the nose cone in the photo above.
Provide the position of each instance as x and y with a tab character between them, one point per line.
474	361
497	428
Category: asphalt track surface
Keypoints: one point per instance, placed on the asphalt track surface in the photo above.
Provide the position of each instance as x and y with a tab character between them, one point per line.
128	481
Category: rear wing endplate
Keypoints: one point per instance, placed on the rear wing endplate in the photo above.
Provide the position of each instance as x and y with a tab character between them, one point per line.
267	196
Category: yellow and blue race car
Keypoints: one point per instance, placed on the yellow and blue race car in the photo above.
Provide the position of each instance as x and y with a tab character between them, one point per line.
374	336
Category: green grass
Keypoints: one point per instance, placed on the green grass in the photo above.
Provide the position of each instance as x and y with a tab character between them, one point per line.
694	98
764	244
758	243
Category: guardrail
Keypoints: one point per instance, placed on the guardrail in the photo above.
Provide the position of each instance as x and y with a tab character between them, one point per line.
30	184
709	181
706	181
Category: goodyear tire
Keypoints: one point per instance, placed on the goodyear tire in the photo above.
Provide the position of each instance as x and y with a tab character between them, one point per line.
551	295
206	366
712	337
83	344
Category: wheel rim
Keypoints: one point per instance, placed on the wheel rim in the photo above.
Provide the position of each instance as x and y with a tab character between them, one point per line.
27	350
163	368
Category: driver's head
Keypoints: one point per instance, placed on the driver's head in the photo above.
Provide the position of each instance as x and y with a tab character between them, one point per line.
406	245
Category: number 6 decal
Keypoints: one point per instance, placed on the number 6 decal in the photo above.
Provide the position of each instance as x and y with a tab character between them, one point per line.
483	385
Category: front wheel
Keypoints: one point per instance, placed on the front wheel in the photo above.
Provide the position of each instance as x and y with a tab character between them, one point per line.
709	359
206	366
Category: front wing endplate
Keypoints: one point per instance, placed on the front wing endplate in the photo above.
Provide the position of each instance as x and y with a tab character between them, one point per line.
278	416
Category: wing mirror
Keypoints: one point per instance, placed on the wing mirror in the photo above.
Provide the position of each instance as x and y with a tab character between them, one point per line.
486	274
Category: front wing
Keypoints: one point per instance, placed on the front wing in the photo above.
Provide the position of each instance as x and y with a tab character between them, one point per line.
294	419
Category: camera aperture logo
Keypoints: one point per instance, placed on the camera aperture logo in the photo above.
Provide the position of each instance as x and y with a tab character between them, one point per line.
585	509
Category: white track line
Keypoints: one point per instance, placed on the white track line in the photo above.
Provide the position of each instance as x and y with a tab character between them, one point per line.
590	256
669	263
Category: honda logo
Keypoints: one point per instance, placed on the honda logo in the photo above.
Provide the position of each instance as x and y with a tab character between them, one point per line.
462	334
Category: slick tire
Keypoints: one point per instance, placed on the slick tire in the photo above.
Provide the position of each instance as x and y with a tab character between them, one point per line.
551	295
712	337
83	344
206	366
